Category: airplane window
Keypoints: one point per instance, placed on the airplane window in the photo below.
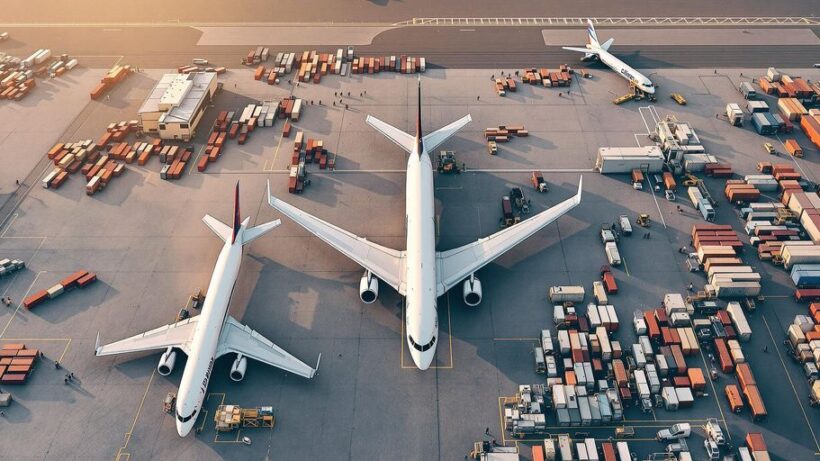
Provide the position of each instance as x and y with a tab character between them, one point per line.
185	419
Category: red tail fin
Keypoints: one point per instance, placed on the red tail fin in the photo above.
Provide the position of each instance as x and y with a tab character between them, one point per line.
237	221
419	135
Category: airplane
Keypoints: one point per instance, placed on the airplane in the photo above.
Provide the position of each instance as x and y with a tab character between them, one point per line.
596	50
420	273
213	333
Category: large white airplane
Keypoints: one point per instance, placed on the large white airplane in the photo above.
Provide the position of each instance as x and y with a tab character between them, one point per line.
420	273
596	50
213	333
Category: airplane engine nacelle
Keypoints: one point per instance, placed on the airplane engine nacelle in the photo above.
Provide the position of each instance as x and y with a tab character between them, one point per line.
166	362
240	365
368	288
472	291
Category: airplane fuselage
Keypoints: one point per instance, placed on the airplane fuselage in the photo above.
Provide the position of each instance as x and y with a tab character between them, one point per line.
625	71
421	318
194	384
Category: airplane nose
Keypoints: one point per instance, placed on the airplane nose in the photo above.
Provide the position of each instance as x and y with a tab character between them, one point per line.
184	429
423	359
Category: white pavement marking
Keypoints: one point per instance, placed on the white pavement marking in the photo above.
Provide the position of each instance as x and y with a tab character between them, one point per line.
655	198
618	21
664	36
250	35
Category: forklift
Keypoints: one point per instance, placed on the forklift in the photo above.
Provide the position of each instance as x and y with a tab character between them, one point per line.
643	220
447	163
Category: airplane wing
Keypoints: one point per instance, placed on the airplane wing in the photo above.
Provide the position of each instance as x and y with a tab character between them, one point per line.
608	43
385	263
434	139
177	335
579	49
457	264
241	339
399	137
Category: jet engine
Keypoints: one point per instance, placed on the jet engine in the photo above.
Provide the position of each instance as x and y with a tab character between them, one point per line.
240	365
167	361
368	288
472	291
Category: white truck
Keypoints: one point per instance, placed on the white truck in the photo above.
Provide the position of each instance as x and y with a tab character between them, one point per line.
612	254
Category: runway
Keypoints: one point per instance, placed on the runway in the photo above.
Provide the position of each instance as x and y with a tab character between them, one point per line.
390	11
445	47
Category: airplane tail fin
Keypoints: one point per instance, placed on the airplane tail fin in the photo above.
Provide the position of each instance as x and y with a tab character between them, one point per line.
231	234
593	37
237	220
419	142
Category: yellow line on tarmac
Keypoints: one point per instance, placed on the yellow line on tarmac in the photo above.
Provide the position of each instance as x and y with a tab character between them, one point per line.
130	432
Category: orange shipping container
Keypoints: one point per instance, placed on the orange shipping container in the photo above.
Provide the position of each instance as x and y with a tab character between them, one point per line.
733	396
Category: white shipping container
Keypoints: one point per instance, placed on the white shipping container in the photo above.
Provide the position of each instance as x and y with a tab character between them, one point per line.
612	160
744	331
592	315
613	316
566	294
623	451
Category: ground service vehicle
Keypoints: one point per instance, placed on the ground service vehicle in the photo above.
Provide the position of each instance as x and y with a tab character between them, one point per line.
714	432
712	449
678	98
769	148
538	182
492	147
447	162
676	431
626	226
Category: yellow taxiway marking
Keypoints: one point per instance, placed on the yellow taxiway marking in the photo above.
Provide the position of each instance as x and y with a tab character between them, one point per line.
275	156
786	372
121	453
449	337
59	359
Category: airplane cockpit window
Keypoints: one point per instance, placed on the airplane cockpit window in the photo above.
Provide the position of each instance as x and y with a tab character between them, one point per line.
183	419
420	347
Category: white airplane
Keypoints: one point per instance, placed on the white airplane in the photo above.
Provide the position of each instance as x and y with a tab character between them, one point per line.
213	333
596	50
420	273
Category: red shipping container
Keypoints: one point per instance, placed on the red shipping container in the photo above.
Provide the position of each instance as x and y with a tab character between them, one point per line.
35	299
202	164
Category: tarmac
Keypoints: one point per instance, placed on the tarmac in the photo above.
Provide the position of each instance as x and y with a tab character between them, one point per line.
313	11
143	238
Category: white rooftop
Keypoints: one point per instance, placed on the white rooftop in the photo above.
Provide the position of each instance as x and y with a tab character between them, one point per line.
178	95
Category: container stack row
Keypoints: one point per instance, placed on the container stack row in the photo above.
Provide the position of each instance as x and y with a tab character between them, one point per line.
503	133
16	363
718	248
114	76
79	279
803	337
17	76
561	77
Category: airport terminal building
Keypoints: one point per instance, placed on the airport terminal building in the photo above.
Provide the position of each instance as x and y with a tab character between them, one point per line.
176	104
